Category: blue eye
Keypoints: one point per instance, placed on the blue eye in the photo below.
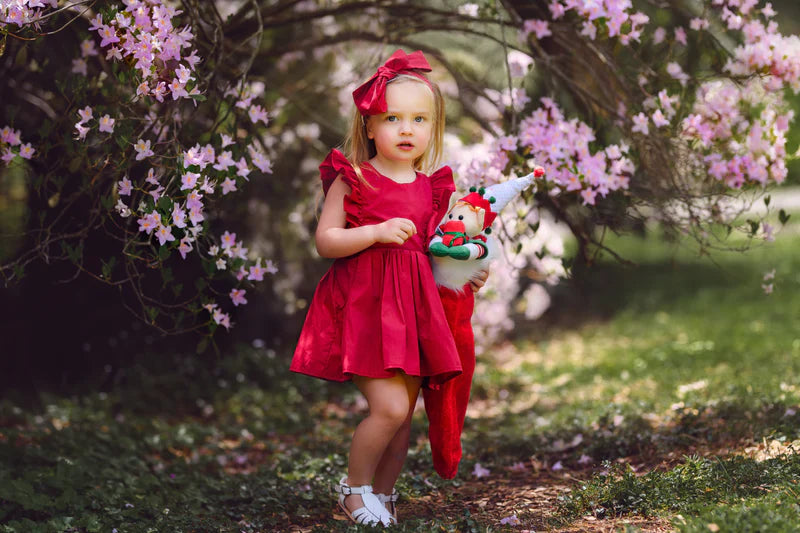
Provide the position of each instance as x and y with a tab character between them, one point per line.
391	118
419	119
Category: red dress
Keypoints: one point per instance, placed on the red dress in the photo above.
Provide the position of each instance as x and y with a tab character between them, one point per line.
379	310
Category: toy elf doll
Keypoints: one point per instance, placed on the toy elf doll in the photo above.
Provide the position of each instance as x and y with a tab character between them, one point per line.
460	249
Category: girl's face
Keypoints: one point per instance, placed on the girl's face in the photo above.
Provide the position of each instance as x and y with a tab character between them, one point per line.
403	133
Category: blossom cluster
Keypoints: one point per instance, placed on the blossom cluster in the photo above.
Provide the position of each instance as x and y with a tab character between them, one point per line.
561	146
169	202
614	16
23	12
11	145
749	147
765	50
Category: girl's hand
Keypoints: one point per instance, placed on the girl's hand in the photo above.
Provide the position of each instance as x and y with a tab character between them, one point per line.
479	280
395	230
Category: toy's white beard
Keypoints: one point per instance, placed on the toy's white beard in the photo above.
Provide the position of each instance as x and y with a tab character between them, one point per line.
455	273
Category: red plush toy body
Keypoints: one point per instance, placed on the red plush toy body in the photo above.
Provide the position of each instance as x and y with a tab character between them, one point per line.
460	249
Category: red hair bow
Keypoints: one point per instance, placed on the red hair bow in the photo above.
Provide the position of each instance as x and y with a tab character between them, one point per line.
370	97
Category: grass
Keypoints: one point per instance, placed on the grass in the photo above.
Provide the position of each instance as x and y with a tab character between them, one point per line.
670	390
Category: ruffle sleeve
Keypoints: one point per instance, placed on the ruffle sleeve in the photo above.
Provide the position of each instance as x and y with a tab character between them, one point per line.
442	186
334	165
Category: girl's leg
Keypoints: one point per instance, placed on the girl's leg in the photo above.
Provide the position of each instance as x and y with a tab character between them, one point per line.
388	408
391	463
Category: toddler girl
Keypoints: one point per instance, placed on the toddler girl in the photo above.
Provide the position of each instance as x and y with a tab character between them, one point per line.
376	317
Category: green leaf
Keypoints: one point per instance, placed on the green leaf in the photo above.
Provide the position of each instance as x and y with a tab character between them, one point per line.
783	217
108	267
753	226
767	199
107	201
163	252
198	97
165	204
152	313
200	284
534	227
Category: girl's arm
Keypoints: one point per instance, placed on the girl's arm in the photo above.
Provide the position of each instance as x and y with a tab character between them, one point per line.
334	240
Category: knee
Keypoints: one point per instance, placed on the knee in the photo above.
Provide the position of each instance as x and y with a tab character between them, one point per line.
393	414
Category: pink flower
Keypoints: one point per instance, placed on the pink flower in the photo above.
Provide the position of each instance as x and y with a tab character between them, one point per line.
588	196
228	240
224	161
114	52
26	151
659	35
241	273
196	215
85	114
185	247
156	193
698	24
159	92
228	186
256	272
88	48
242	166
659	120
640	121
147	223
178	217
189	180
96	23
589	30
143	88
124	186
539	27
222	318
257	113
270	267
260	161
479	471
9	136
178	89
143	150
164	234
82	130
675	70
8	156
510	520
107	124
109	36
79	66
226	140
237	296
194	200
680	35
151	177
193	156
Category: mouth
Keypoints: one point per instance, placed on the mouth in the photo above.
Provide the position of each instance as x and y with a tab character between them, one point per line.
405	146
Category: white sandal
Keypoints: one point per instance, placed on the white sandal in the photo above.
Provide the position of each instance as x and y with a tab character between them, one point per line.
390	499
373	513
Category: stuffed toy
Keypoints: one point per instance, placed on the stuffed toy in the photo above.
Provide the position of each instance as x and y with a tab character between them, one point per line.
461	248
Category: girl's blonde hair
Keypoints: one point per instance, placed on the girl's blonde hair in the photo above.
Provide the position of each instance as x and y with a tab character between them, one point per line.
359	148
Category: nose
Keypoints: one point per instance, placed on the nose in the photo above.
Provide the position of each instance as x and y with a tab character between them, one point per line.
405	127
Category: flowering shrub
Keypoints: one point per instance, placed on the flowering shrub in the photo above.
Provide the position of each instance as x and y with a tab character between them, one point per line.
162	186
